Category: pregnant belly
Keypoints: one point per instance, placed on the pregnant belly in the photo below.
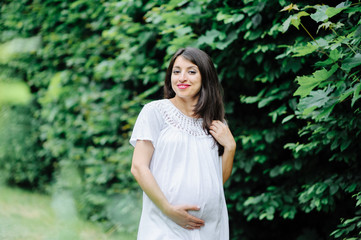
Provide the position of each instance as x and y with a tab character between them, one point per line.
207	195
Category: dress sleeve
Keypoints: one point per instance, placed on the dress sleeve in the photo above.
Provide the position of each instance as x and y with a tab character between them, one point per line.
148	125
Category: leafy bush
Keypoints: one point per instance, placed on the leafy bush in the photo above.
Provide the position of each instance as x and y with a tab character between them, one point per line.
21	158
296	168
20	154
329	102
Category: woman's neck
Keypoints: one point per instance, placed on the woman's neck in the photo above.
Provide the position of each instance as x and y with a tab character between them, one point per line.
185	106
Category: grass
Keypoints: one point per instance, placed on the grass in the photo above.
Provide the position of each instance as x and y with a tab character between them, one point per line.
33	216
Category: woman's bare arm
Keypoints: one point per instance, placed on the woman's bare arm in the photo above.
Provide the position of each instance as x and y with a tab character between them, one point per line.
223	135
227	162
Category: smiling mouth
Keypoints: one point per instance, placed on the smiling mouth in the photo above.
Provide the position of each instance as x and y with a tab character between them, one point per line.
183	86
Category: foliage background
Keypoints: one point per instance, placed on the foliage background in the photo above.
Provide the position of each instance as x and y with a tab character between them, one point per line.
292	103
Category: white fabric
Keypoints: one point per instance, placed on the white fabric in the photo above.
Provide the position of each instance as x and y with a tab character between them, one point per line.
187	168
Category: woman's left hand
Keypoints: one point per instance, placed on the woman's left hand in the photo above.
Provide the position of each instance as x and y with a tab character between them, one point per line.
222	134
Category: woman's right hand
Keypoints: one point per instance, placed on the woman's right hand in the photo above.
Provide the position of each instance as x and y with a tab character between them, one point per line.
140	169
179	214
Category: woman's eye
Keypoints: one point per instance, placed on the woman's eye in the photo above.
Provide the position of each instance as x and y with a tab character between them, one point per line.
176	71
192	72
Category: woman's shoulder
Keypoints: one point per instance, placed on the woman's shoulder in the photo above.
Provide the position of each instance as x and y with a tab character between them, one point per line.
157	103
157	106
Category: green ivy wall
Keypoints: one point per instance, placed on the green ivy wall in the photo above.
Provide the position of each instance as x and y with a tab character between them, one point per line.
291	83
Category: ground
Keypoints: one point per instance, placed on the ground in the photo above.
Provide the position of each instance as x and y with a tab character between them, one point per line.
33	216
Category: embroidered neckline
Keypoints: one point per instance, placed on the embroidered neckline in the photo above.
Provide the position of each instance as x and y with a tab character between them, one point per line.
174	117
192	118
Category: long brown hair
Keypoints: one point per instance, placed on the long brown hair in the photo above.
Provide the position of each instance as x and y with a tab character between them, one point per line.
210	104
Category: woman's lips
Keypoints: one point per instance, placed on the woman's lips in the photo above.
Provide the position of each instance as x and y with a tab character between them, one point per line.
183	86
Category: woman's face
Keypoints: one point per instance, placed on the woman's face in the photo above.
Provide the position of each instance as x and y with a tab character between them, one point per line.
186	79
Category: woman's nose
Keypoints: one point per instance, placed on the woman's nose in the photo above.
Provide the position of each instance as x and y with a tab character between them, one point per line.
182	77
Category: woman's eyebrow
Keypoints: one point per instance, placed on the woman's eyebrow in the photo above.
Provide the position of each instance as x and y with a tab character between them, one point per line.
193	66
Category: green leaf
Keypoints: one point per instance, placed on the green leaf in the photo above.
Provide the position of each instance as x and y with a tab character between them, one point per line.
209	37
229	18
345	144
302	14
230	38
265	101
331	11
353	62
256	20
320	14
176	3
335	55
325	25
345	95
326	111
325	63
286	119
304	50
297	20
333	189
252	99
286	24
249	100
308	110
356	94
358	31
321	188
307	83
316	99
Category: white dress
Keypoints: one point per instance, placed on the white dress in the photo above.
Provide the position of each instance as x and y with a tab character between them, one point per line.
187	168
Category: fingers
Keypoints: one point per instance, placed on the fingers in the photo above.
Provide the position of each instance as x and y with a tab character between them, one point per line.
191	208
192	218
218	128
192	226
217	122
192	222
222	134
218	125
196	221
180	215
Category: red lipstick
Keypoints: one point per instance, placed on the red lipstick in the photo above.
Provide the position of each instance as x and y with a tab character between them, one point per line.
183	86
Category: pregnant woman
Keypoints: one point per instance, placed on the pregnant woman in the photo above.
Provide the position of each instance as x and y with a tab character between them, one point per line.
183	154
